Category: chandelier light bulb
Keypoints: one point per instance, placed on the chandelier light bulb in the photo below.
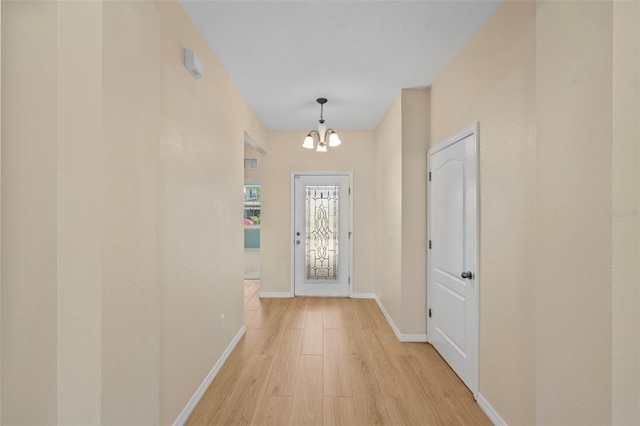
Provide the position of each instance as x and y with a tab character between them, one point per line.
334	140
322	147
308	142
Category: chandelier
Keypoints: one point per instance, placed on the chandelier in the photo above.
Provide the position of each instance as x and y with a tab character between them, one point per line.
320	136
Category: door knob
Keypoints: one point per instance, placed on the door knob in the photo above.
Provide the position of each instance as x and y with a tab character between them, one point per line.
297	241
467	274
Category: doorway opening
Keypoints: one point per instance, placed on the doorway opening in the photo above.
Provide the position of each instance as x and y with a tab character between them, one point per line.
252	208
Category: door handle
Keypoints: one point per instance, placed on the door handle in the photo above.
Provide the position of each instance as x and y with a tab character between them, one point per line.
467	275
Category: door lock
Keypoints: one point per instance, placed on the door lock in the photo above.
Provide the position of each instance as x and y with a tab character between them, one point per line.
467	275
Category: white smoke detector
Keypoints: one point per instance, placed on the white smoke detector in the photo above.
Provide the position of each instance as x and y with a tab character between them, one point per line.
193	64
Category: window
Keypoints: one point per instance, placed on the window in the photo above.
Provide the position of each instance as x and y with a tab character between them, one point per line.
251	205
250	163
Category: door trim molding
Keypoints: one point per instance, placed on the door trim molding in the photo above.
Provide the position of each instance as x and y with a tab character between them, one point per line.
292	234
473	129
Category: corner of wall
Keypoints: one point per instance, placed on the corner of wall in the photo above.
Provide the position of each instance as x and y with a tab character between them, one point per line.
415	144
388	181
626	203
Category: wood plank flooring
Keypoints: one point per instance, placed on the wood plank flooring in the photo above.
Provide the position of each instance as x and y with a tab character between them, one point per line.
322	361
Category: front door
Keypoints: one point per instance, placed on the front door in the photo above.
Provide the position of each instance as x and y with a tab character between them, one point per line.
321	234
452	324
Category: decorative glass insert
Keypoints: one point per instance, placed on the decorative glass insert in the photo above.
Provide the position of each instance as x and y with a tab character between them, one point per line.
321	232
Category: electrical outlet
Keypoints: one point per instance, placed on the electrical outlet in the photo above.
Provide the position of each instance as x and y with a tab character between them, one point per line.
222	322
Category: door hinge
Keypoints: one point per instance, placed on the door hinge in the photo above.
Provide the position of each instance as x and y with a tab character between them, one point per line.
349	191
429	176
429	312
349	234
349	280
429	244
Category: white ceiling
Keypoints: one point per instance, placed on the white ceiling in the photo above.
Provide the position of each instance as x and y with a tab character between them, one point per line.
358	54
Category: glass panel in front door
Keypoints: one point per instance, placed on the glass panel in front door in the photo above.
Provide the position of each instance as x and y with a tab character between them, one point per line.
321	245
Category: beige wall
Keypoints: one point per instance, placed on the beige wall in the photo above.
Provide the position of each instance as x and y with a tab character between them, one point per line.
29	212
388	181
285	155
80	224
492	81
121	184
626	224
132	274
402	139
201	204
573	191
415	143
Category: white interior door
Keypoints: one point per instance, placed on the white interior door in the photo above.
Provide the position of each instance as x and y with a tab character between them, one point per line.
452	324
321	232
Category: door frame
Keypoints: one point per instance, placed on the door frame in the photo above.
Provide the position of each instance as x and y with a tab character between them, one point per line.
472	130
292	270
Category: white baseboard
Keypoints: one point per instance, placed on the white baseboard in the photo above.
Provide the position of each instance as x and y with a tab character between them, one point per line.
186	412
416	337
363	296
401	336
490	411
285	294
274	294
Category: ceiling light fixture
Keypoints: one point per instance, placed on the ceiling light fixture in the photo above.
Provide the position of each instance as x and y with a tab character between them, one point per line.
321	134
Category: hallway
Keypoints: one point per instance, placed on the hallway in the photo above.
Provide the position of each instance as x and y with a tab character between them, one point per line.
331	361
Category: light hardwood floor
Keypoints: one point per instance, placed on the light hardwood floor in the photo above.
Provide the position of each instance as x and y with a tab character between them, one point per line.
322	361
